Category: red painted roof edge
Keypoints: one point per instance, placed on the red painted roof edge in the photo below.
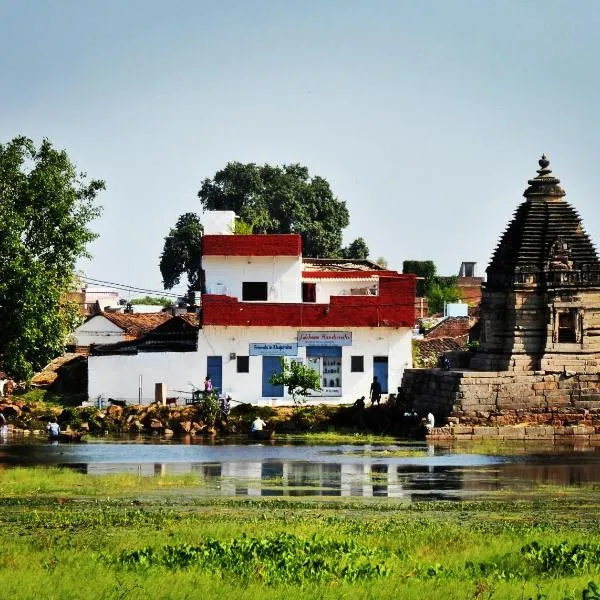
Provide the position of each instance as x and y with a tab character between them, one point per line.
358	274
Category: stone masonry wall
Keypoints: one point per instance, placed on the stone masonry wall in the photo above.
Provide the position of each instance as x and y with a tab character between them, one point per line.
503	398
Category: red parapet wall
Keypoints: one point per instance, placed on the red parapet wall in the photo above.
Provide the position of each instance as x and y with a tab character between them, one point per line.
252	245
347	274
393	307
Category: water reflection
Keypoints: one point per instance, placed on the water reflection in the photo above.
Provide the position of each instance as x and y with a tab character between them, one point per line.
328	471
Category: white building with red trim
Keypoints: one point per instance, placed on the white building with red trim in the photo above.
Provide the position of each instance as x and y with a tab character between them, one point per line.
347	319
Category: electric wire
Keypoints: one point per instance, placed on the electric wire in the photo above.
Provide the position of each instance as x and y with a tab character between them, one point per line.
128	288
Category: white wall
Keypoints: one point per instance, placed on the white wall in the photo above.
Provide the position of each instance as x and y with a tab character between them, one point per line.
225	274
367	342
117	375
218	222
98	330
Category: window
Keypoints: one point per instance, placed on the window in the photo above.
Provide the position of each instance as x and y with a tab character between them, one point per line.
567	330
357	364
243	364
254	291
309	292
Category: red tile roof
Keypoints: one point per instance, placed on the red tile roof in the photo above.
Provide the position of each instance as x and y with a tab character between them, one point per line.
136	325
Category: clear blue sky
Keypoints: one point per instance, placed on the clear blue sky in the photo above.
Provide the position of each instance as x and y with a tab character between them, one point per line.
427	117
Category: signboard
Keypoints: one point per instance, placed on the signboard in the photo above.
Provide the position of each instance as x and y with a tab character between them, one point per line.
324	338
273	349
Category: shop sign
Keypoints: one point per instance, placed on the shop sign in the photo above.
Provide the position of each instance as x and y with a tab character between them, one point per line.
273	349
324	338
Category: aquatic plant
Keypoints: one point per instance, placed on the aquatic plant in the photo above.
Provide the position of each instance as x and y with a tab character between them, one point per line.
280	558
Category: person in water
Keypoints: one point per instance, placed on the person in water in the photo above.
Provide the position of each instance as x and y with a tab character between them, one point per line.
53	429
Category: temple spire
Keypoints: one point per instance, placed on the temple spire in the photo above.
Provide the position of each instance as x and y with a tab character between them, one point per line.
545	184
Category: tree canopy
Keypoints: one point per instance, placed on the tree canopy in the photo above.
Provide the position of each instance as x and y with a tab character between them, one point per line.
438	290
267	199
181	253
46	206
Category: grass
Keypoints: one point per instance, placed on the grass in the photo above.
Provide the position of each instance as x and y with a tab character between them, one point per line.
65	534
335	438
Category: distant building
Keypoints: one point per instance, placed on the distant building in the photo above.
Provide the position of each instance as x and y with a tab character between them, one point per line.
469	284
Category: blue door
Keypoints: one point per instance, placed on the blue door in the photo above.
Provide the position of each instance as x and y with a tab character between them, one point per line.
214	369
271	365
380	369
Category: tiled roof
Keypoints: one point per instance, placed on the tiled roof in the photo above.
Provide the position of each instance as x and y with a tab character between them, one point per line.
340	265
136	325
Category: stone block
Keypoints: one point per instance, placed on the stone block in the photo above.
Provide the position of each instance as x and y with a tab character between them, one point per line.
462	430
485	432
583	430
511	433
539	433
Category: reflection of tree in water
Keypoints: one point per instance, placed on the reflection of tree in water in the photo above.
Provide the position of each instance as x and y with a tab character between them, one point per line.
270	471
428	482
379	478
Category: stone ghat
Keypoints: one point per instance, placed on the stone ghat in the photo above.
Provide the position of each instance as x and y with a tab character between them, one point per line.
500	398
576	435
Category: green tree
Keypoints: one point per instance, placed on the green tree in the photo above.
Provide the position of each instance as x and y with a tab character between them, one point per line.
298	378
46	206
358	249
181	253
152	301
442	291
280	199
267	199
424	269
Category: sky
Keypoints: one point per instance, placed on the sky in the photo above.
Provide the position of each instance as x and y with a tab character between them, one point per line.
427	117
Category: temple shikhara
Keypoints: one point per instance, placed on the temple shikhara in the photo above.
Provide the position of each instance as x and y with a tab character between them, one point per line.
540	307
539	354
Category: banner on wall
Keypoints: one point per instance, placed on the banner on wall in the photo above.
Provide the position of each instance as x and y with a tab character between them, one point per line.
324	338
273	349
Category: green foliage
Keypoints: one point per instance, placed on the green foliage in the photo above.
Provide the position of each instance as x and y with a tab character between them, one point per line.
382	262
280	199
152	301
207	406
46	206
298	378
276	559
563	558
181	253
421	268
358	249
438	290
442	291
242	228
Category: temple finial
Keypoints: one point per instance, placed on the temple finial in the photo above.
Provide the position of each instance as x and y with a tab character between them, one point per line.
545	184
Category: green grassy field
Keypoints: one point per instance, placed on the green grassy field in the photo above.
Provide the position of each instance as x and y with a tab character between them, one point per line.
69	535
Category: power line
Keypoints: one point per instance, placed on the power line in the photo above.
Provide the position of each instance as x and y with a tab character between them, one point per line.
127	288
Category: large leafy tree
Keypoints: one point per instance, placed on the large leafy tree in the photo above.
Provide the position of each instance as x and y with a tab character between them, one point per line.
269	199
181	253
45	208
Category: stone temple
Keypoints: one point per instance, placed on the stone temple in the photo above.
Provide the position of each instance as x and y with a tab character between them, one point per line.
539	354
540	307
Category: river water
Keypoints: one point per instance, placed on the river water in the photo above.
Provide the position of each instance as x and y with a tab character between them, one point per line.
410	472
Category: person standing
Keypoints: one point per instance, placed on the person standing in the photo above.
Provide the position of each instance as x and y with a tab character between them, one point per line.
53	429
208	386
375	392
